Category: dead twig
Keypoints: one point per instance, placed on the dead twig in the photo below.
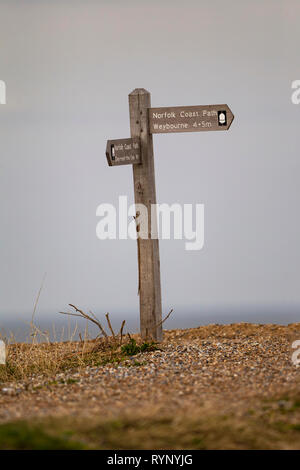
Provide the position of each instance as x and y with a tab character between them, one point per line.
166	318
87	317
32	325
100	326
92	317
109	325
121	332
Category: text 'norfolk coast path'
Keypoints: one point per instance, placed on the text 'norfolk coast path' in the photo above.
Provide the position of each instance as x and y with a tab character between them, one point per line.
216	117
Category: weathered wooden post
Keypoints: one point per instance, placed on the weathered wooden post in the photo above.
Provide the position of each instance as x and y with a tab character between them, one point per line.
138	151
145	193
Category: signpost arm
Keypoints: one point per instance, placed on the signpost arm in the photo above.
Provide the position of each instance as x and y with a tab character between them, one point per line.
145	193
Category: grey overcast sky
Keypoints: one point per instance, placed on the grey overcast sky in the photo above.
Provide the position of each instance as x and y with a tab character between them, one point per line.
69	66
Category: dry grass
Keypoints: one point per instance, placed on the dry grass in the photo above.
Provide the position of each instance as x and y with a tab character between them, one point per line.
48	359
40	356
43	357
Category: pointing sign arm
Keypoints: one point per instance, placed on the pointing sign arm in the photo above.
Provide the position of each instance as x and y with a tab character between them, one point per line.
190	118
123	152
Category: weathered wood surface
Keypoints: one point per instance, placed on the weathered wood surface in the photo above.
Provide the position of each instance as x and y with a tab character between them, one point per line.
145	193
216	117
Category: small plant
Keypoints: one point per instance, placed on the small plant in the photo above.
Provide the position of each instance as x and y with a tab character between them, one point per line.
132	348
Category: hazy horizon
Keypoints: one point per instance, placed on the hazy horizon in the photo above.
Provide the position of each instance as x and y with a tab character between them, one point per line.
62	327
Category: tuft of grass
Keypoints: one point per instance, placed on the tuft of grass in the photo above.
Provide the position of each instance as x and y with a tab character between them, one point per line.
132	348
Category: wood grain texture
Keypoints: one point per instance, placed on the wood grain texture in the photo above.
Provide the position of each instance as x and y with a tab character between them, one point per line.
145	193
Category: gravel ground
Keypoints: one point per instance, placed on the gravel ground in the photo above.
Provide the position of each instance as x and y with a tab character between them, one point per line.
222	368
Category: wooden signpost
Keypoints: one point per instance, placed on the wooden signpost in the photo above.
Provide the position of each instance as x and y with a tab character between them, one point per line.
145	121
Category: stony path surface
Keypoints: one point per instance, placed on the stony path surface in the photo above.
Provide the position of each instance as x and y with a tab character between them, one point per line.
223	368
